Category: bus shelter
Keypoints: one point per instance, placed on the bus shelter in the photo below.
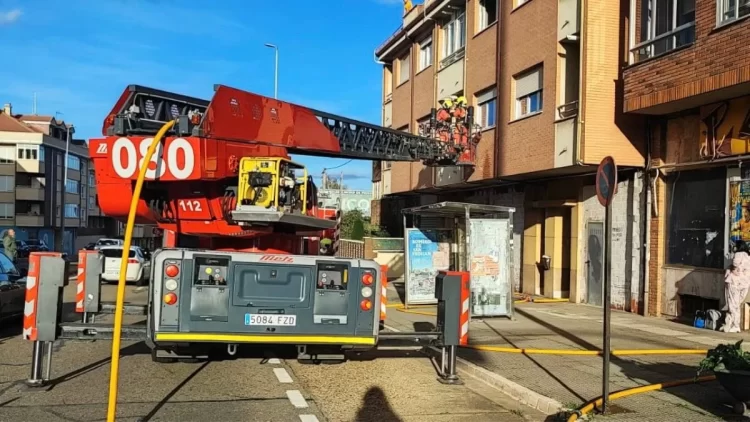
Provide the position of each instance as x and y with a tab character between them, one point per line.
458	236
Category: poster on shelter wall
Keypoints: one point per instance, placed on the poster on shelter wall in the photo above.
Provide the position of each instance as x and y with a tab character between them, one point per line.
491	290
427	252
739	216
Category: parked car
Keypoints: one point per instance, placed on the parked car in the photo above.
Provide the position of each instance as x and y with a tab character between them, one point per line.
12	290
22	249
107	242
35	245
138	269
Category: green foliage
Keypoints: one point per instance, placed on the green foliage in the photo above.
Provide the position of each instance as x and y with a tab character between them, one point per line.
358	230
726	356
348	221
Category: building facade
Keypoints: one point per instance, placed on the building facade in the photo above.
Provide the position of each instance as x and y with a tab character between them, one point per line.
35	198
545	80
688	76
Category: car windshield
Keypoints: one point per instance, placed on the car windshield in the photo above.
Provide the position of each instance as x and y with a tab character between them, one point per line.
116	253
107	242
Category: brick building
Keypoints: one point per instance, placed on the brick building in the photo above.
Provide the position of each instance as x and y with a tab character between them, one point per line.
689	77
545	78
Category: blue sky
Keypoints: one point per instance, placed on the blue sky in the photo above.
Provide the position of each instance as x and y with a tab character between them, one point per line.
78	55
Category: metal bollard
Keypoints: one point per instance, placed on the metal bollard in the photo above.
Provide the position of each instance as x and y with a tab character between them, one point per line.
452	292
37	356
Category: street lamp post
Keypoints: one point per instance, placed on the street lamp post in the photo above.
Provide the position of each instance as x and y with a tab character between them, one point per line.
65	185
276	71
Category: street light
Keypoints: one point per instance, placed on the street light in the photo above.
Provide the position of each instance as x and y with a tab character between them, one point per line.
276	71
65	185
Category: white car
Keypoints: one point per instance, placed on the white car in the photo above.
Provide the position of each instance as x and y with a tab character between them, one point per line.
107	242
139	266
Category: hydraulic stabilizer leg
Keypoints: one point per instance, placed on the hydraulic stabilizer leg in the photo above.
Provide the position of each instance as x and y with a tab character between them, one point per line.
452	293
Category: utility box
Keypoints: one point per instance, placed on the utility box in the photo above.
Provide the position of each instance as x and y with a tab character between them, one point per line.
452	293
48	275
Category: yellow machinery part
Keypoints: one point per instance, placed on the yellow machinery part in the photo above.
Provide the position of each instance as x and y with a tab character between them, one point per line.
268	196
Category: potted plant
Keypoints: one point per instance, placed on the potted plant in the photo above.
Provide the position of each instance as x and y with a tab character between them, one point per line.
731	365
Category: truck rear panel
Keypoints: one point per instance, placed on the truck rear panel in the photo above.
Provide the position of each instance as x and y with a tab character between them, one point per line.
239	297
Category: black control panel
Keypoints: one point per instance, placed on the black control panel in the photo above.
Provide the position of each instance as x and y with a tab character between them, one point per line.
210	271
332	276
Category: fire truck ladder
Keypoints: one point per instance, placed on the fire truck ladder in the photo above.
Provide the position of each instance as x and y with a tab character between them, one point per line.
141	111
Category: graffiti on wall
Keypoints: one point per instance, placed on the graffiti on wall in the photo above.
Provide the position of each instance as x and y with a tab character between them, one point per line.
725	129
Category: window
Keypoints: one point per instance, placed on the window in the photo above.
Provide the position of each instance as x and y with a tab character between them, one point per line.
730	10
486	109
7	155
92	202
7	183
404	68
665	25
528	88
72	186
696	218
425	54
454	35
41	153
7	211
58	160
74	163
27	152
487	14
92	178
71	210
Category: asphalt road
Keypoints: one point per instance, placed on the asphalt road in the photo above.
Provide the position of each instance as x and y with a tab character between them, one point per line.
252	388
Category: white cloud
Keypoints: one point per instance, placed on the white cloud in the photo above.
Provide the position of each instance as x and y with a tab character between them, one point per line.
7	18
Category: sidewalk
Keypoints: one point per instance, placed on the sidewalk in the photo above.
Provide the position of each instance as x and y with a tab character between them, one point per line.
569	381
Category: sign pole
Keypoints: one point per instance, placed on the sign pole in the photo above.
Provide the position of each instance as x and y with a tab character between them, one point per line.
606	187
607	301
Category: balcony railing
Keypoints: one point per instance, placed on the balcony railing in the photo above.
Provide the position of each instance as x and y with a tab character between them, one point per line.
681	36
567	110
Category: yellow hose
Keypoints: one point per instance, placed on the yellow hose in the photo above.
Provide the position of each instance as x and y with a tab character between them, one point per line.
636	390
625	352
116	335
562	352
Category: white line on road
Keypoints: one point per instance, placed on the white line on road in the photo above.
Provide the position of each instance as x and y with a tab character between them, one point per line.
282	375
296	398
274	361
308	418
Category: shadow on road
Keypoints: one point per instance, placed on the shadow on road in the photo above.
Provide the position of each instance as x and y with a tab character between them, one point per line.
375	408
171	394
131	350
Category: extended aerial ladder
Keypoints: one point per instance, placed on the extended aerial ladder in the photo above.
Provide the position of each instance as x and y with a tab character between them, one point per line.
192	181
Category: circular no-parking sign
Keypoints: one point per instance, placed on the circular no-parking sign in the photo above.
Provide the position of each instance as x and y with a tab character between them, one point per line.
606	181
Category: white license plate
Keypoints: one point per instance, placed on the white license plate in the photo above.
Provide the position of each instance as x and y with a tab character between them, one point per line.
271	319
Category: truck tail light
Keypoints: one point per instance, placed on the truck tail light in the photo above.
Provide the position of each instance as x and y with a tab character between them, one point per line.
170	298
172	270
367	279
132	261
366	305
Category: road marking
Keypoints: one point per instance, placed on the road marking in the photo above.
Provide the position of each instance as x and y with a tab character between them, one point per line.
282	375
308	418
274	361
296	398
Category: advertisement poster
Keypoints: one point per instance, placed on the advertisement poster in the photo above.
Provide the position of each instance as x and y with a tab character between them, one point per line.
739	211
427	252
491	291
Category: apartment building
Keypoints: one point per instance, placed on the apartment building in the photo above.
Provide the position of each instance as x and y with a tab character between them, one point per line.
545	78
35	199
688	76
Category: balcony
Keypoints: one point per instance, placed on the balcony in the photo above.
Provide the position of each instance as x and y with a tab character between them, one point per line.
566	134
30	193
451	76
29	166
29	220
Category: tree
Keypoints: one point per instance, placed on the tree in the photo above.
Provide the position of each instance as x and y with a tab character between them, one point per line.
332	183
352	224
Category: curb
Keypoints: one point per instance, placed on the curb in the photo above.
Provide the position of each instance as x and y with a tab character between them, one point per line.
524	395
